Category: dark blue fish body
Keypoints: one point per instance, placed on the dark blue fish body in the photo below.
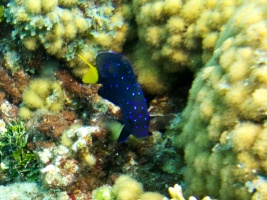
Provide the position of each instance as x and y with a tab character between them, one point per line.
120	87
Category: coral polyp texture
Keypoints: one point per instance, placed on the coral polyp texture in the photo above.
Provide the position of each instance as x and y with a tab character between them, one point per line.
66	28
224	128
41	94
176	35
176	193
125	187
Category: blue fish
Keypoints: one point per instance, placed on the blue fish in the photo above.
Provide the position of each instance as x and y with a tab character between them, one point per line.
120	87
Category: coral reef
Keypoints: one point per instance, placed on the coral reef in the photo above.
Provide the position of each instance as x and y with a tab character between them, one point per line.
66	28
220	137
61	170
75	88
175	36
103	193
29	190
13	84
124	188
8	111
53	125
224	123
176	193
62	163
41	94
87	150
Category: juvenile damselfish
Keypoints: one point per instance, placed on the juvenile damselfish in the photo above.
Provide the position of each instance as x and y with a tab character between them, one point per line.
120	87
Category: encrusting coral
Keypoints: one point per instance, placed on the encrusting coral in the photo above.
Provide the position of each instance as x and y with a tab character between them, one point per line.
13	84
224	124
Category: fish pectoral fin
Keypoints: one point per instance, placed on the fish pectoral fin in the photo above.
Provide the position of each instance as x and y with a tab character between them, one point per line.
114	127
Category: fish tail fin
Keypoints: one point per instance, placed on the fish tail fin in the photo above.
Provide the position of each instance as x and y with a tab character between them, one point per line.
84	60
91	75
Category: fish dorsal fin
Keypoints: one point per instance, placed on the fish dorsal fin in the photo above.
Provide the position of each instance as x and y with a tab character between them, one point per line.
91	75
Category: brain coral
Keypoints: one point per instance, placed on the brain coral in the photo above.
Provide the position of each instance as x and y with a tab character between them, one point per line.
224	133
68	27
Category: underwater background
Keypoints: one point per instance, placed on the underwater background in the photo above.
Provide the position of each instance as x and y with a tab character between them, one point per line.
202	68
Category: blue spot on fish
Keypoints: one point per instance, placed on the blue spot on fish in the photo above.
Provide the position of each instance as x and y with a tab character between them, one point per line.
115	69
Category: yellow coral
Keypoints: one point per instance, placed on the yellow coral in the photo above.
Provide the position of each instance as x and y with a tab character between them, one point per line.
172	7
33	6
237	94
90	159
260	97
192	10
151	196
70	30
25	113
32	100
157	9
43	94
260	146
176	193
66	16
55	46
127	188
31	43
103	39
210	41
81	24
238	70
244	136
41	87
225	116
58	30
153	35
248	163
22	16
67	3
48	6
201	161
